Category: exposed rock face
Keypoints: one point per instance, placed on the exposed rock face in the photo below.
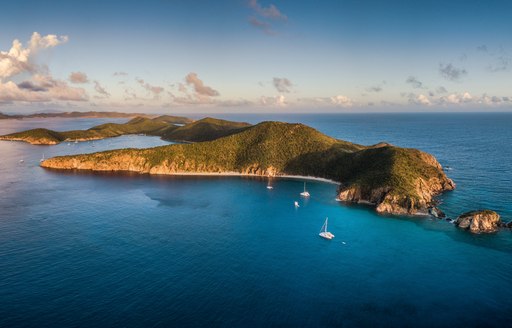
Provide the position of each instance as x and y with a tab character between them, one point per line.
479	221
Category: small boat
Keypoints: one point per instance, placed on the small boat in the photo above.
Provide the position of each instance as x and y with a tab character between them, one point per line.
21	161
269	184
305	193
42	159
296	204
76	141
324	233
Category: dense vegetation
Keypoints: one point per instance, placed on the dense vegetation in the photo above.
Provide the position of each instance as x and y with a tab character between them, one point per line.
163	126
204	130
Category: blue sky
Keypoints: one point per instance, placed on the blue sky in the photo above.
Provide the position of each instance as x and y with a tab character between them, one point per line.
256	55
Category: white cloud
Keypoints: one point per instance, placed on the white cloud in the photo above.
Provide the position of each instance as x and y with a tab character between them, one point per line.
282	84
342	101
451	72
423	100
40	86
201	90
337	101
263	16
78	77
457	99
152	89
43	89
270	12
18	58
279	101
42	42
414	82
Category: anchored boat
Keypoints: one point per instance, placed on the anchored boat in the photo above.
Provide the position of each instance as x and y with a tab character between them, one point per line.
324	233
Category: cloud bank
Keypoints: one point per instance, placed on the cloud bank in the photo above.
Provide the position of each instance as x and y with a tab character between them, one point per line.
40	86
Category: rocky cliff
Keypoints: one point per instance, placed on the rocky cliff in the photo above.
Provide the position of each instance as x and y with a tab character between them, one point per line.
395	180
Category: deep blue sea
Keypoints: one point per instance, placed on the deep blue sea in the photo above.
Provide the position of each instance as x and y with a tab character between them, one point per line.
103	250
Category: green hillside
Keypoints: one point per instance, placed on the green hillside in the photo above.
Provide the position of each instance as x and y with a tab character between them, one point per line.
204	130
168	127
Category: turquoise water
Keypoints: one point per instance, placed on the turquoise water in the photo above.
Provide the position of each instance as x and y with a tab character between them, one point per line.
134	250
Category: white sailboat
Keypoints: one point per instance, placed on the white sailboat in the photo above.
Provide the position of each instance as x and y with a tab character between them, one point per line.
324	233
305	193
42	159
269	186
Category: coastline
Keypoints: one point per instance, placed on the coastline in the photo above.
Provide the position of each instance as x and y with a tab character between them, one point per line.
284	176
238	174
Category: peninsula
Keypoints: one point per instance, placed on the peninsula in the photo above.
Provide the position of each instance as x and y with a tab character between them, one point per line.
395	180
173	128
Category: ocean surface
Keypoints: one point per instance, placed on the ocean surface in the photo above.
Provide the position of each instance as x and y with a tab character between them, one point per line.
103	250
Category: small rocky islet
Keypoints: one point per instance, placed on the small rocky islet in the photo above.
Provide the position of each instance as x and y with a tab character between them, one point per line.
480	221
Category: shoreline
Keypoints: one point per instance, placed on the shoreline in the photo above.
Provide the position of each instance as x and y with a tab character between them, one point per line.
220	174
235	174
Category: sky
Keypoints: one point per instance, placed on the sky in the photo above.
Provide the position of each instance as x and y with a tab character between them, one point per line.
256	56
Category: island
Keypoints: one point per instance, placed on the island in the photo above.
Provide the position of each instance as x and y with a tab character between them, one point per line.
394	180
480	221
75	114
172	128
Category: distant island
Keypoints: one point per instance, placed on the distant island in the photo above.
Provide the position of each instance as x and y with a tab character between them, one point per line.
89	114
172	128
395	180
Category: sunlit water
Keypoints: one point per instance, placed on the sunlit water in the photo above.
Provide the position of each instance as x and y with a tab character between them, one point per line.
133	250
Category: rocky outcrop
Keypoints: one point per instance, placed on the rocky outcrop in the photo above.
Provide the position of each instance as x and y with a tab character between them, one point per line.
411	197
482	221
436	212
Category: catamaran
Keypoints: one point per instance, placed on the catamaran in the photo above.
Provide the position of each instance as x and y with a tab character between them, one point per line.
305	193
324	233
